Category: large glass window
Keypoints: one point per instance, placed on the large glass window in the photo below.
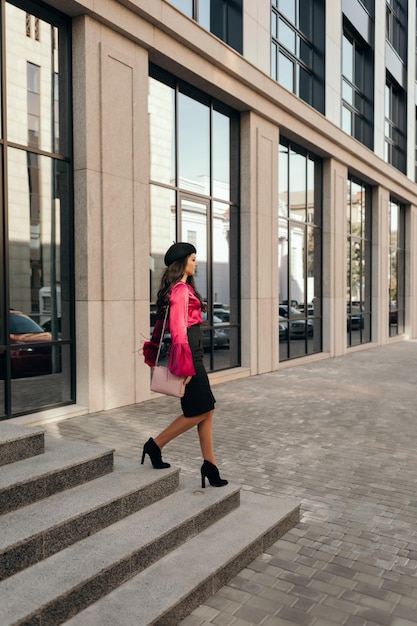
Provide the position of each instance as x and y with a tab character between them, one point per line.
396	276
297	48
223	18
358	262
36	330
396	26
299	252
357	90
194	197
395	126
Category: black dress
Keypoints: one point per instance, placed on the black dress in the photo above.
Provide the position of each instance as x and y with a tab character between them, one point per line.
198	397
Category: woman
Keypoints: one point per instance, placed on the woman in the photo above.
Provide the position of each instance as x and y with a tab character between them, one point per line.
177	290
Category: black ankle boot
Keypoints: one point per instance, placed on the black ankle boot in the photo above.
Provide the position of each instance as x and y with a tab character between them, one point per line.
154	452
212	473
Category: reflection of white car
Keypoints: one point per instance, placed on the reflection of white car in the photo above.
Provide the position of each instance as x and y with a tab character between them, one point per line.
298	324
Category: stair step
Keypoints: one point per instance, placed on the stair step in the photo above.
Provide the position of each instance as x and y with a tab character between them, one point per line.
56	588
172	588
63	465
19	442
41	529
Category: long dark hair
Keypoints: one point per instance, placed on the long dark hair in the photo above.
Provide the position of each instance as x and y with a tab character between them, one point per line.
173	273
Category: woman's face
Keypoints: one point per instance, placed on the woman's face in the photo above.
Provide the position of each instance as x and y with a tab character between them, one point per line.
191	266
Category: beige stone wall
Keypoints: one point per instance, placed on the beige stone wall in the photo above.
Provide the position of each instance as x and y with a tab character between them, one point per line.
259	237
111	215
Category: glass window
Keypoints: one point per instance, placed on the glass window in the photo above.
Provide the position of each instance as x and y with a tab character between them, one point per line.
193	145
395	126
221	156
396	26
357	89
285	71
299	252
42	57
223	18
297	49
358	263
162	132
396	278
36	312
199	205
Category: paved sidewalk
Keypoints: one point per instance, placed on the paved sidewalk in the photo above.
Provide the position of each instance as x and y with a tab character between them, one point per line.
341	436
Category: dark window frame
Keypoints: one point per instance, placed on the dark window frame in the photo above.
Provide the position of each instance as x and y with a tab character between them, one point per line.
396	319
361	108
226	20
64	158
290	345
396	125
181	87
307	31
358	309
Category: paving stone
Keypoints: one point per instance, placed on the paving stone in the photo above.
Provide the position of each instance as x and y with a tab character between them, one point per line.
325	435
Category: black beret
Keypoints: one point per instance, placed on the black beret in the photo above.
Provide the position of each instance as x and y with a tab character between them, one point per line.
178	251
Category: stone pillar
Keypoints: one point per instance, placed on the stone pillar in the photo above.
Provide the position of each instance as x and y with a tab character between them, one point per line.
334	257
111	214
259	243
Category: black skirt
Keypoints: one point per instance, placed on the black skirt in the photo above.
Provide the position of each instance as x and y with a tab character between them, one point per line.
198	397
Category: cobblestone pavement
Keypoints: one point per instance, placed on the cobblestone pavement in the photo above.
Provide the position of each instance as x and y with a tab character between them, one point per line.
341	436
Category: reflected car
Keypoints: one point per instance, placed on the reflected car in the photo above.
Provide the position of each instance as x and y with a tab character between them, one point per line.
28	357
298	324
355	321
220	333
283	328
222	312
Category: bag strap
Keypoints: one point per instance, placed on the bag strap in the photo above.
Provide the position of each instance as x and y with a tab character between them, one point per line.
162	335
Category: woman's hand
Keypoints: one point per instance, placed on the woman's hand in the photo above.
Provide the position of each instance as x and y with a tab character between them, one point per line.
187	380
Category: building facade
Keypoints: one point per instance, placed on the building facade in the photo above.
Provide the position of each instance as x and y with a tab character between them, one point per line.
277	136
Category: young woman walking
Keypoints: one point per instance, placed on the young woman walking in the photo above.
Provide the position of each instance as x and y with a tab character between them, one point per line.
177	290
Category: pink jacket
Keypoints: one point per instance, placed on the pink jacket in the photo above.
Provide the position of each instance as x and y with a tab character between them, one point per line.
184	311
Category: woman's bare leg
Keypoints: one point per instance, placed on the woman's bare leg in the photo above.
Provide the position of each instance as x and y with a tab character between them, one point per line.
205	433
179	426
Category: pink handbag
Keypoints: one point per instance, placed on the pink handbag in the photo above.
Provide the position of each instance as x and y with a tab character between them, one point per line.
163	381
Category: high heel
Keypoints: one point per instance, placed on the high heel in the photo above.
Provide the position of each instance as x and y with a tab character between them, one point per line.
154	452
212	473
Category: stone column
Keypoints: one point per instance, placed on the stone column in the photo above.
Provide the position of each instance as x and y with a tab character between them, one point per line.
259	243
111	214
334	257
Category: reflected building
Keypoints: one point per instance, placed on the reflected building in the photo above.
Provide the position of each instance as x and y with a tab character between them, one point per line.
276	137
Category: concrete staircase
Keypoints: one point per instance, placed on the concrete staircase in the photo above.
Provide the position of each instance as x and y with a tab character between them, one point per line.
90	538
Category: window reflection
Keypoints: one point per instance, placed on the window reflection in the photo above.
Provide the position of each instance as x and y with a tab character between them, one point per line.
358	294
199	205
221	156
162	132
162	233
396	269
299	253
37	85
193	145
